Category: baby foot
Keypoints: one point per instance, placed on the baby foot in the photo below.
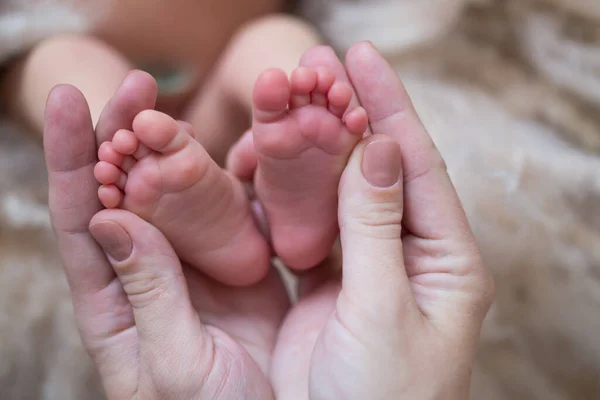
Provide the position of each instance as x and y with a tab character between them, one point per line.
303	136
160	173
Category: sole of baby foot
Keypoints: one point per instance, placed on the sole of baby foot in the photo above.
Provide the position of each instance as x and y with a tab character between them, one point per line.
303	134
159	172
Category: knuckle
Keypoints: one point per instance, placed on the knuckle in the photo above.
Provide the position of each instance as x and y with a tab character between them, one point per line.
144	290
383	220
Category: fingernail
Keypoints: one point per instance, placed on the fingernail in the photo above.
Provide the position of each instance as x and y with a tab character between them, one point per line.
113	239
381	164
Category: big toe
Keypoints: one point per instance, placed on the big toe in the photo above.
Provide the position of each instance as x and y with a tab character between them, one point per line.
159	131
271	95
181	161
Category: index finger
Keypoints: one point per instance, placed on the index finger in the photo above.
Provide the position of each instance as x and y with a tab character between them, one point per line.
432	209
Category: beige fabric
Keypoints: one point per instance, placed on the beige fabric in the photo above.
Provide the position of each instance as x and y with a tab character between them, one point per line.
40	352
507	89
25	22
510	91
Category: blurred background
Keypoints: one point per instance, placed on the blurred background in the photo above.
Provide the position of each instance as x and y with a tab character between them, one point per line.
510	91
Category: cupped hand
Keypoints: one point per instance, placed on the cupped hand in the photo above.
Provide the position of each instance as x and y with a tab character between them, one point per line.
154	328
404	321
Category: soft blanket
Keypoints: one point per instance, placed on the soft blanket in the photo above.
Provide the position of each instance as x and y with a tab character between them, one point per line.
510	91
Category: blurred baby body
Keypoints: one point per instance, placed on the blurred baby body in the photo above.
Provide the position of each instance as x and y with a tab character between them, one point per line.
187	45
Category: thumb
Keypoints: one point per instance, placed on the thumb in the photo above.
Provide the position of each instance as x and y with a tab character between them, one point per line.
168	327
370	217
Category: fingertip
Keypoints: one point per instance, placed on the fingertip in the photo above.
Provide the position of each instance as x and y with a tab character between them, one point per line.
381	162
362	50
373	176
318	55
113	239
143	83
69	141
61	94
138	91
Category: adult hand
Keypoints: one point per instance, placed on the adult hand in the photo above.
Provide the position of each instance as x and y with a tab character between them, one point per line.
404	322
154	329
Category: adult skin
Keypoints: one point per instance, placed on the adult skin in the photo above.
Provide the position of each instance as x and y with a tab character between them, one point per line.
154	328
402	323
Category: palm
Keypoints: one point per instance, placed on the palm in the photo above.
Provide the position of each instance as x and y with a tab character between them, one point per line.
317	355
328	329
242	323
303	327
251	315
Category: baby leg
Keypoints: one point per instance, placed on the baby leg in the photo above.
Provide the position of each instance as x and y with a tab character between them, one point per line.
221	112
88	64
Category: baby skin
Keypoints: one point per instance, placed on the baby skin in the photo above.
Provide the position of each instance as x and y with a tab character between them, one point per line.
303	134
161	173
